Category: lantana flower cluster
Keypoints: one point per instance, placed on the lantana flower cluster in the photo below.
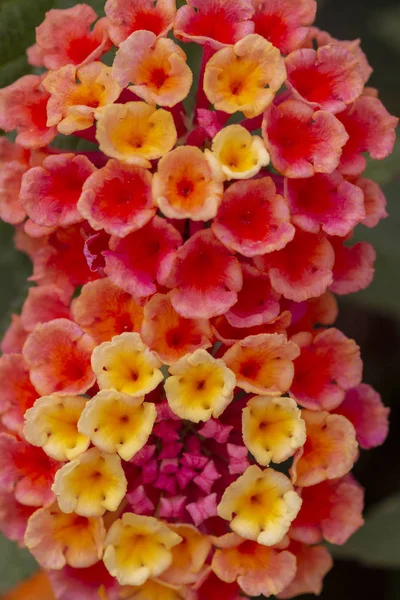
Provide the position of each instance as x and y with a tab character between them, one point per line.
180	417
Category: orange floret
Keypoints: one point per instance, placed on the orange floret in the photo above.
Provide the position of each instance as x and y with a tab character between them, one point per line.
169	335
263	364
156	67
184	186
77	93
329	452
103	310
245	77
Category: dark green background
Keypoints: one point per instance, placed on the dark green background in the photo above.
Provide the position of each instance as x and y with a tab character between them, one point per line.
368	566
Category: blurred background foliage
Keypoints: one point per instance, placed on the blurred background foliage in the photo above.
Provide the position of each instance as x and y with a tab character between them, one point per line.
368	566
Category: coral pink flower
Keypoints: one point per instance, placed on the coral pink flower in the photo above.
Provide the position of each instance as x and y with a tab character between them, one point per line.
257	569
65	37
11	174
202	298
329	364
137	261
229	335
326	202
303	269
257	302
253	219
60	259
374	202
127	16
117	198
26	471
44	303
328	78
331	510
23	107
354	266
50	193
219	23
312	564
308	315
104	310
284	22
370	129
15	337
364	408
18	393
302	142
14	517
58	355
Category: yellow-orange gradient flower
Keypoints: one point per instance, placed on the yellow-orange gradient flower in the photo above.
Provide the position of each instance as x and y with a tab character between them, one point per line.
263	363
184	186
260	505
272	428
329	452
200	387
138	548
153	589
57	539
156	67
236	154
116	422
90	484
77	94
126	365
188	557
245	77
52	424
135	132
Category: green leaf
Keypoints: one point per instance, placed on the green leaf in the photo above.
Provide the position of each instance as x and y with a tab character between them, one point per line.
15	269
15	564
378	542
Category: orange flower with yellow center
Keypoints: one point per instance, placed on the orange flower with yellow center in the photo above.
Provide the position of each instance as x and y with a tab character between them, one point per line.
260	505
135	132
118	423
184	186
77	94
272	428
90	484
126	365
236	154
200	387
244	77
156	67
52	424
137	548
